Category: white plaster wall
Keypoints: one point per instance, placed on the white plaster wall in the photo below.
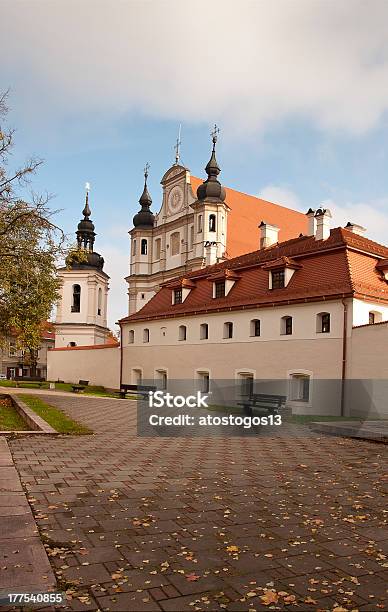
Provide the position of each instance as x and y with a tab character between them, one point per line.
361	311
98	366
304	325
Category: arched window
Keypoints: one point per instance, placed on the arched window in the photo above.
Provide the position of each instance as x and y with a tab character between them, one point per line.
323	323
182	335
199	223
146	335
255	327
99	301
204	331
375	317
144	246
212	223
191	236
72	344
131	336
76	305
286	326
228	329
134	247
161	379
158	243
175	243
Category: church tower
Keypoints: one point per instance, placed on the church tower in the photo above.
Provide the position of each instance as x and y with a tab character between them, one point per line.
81	318
188	233
210	213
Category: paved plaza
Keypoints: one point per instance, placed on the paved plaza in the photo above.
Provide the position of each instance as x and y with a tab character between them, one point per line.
251	523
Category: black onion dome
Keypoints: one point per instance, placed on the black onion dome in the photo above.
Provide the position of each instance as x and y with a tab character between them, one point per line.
85	242
212	188
144	218
93	260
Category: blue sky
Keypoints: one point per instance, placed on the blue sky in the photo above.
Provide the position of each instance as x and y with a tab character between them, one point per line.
300	91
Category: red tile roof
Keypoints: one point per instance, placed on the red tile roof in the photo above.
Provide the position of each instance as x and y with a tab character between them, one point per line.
343	265
247	212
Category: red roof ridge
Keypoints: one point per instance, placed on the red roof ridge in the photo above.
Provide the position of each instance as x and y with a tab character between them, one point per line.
86	347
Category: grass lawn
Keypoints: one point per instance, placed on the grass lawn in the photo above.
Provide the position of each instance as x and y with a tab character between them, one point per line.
54	417
10	419
89	390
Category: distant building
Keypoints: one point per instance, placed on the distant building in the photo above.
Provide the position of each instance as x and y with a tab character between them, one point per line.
14	362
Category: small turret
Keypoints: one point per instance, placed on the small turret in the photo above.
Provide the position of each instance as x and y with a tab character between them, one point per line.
212	188
144	218
85	241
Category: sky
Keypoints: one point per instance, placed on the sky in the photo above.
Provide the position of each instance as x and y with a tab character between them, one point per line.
299	90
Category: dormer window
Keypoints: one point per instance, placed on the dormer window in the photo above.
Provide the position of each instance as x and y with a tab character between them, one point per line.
178	296
281	272
278	277
219	289
223	282
180	290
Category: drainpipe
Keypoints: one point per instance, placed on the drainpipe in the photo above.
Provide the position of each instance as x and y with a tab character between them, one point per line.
121	354
344	351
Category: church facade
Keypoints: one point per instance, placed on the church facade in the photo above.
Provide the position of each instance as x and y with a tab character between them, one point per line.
223	285
199	224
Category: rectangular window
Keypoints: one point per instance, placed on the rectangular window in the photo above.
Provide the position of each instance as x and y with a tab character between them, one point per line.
300	388
246	384
178	296
278	279
288	326
220	289
255	327
204	382
371	318
326	323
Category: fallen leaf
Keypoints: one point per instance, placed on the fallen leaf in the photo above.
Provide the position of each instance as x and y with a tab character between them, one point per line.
192	577
269	597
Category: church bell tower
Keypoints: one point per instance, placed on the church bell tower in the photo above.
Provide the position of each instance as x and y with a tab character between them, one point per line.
81	318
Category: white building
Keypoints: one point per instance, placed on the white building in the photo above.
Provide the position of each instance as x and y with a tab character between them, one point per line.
225	286
81	318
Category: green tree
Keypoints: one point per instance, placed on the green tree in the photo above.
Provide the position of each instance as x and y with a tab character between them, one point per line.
30	245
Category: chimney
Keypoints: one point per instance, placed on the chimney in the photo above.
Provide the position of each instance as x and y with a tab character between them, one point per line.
322	217
356	229
312	224
268	234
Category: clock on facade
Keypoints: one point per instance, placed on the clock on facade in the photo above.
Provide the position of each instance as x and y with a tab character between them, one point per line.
175	200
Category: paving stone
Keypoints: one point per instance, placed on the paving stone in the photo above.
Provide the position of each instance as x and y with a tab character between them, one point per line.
285	502
130	602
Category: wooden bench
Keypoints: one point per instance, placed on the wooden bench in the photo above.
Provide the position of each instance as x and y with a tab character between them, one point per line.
80	387
271	403
138	390
32	381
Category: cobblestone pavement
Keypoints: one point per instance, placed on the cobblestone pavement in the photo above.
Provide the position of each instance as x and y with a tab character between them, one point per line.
136	524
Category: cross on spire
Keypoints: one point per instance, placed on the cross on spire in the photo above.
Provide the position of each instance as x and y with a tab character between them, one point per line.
214	134
146	168
177	146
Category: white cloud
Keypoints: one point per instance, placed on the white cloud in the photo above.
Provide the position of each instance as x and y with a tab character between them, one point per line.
368	214
280	195
244	64
371	215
